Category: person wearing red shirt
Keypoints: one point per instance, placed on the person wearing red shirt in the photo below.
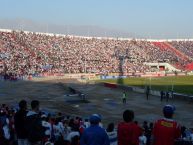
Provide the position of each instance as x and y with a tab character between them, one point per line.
166	130
128	132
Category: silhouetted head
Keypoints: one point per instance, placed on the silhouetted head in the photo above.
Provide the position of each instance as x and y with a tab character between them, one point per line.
23	105
35	105
110	127
128	115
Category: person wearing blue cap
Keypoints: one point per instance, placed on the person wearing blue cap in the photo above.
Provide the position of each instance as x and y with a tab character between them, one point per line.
166	130
94	135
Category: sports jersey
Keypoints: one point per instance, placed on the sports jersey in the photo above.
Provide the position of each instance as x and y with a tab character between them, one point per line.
166	131
128	133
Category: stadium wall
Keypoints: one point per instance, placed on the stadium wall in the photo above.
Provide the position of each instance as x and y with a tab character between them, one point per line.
147	74
50	76
84	77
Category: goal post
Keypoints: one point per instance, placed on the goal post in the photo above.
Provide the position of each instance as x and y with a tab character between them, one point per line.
159	84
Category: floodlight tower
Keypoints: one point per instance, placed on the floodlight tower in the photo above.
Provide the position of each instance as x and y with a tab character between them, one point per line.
121	58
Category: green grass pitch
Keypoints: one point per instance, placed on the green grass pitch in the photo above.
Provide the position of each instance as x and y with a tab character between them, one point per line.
179	84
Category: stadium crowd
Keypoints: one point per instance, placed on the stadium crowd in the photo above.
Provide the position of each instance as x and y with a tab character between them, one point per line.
23	53
184	46
33	127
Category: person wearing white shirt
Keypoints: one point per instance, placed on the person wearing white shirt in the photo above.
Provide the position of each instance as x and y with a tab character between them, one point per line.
86	123
72	134
142	139
47	126
191	135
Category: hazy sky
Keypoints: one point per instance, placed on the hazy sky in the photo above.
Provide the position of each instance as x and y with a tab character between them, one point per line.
169	18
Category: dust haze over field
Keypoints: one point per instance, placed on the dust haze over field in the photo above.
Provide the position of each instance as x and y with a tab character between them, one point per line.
104	101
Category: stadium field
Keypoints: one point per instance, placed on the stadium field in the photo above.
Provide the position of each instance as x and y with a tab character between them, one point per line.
179	84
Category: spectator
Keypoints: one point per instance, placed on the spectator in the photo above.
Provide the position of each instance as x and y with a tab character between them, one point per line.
75	140
112	134
58	129
86	123
128	132
149	133
48	128
142	138
4	127
72	123
82	127
35	130
145	127
73	135
94	135
20	123
183	133
66	132
191	135
166	130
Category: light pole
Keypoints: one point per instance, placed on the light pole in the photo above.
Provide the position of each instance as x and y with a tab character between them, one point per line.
85	65
85	60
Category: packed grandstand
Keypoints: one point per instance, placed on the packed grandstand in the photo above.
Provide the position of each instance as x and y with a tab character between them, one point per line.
28	53
24	54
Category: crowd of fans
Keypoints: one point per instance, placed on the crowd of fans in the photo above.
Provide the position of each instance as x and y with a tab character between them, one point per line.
23	53
23	127
184	46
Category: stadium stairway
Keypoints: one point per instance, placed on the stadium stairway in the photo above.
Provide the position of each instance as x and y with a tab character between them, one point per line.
159	45
178	66
176	51
164	46
182	55
189	66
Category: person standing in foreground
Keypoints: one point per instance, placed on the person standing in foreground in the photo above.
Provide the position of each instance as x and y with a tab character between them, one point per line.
34	125
143	138
20	123
128	132
166	130
94	135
